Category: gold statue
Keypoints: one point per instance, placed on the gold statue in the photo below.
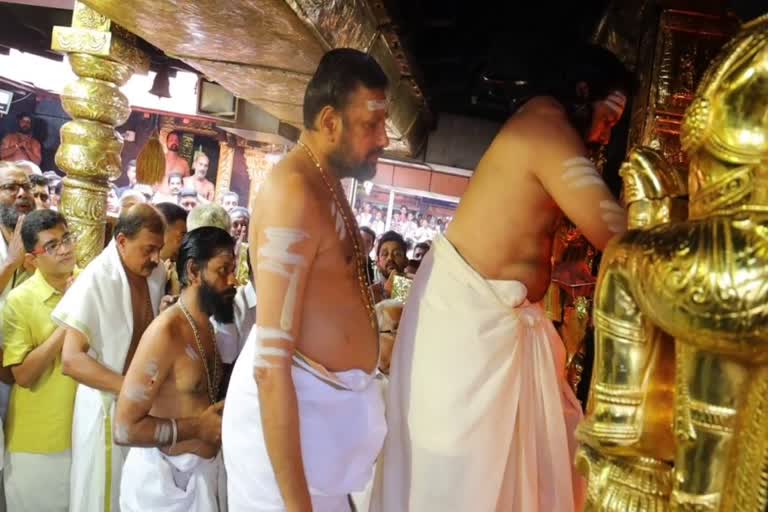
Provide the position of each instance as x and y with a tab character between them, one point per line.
679	395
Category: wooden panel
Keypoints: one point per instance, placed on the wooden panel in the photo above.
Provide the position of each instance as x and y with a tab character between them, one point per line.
384	174
408	177
448	184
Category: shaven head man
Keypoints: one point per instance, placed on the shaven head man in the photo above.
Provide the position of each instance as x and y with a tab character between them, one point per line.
199	181
169	408
313	309
105	313
472	305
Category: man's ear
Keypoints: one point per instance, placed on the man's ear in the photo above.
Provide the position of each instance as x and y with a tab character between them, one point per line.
329	123
121	240
192	271
30	261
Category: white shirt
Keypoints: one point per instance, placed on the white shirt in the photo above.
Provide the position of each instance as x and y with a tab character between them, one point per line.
230	338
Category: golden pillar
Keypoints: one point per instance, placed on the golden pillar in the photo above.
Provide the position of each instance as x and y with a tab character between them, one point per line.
224	170
103	57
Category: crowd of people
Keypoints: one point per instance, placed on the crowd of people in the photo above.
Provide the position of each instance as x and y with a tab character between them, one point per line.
414	227
209	359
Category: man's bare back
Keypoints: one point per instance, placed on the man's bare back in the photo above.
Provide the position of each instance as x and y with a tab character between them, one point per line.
506	219
335	327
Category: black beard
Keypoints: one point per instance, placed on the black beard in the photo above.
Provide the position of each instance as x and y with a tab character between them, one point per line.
8	216
218	305
361	171
25	131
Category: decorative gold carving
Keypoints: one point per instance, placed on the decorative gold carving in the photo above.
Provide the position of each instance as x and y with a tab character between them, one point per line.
697	343
686	43
85	17
90	146
224	172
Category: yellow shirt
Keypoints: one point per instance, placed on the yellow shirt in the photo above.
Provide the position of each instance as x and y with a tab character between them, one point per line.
39	419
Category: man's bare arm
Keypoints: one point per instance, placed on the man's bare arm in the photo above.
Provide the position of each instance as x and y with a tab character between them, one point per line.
558	157
150	367
76	363
7	148
34	150
287	245
38	360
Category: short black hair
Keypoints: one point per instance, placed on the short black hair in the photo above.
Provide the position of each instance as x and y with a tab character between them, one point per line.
175	175
339	73
22	115
37	221
38	180
172	213
138	217
173	132
422	245
368	231
201	245
392	236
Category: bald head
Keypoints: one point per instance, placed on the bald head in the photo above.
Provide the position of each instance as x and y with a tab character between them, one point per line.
140	216
139	235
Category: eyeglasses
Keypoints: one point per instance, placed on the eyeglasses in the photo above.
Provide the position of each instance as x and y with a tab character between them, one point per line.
14	187
52	247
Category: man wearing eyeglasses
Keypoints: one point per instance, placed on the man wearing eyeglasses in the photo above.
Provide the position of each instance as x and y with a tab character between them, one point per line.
39	422
15	201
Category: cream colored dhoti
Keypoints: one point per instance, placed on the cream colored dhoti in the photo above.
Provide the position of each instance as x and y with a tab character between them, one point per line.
342	428
479	413
152	480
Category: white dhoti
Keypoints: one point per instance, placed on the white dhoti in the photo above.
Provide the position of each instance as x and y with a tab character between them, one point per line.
98	305
96	460
342	429
25	472
180	483
479	413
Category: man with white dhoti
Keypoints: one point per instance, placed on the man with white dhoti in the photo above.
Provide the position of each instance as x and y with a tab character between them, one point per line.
480	415
304	420
105	312
168	408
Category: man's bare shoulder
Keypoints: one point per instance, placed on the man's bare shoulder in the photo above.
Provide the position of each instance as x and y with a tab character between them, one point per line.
290	183
540	125
164	335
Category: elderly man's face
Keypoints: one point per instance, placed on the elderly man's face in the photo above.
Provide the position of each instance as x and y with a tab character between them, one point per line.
200	166
229	202
15	195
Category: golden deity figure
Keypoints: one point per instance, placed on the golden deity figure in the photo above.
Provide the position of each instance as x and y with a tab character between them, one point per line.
678	410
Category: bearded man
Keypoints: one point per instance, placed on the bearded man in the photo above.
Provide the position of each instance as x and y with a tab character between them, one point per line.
304	420
168	408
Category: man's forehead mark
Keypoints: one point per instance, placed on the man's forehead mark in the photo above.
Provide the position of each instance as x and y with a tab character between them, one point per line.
374	105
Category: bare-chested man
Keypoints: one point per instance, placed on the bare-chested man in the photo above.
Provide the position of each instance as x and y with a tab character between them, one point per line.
304	420
480	415
169	399
175	163
105	312
199	181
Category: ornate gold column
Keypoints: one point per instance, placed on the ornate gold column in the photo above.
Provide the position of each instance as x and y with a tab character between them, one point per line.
258	168
224	171
103	57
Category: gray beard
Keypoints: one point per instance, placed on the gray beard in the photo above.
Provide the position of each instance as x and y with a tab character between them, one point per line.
8	216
